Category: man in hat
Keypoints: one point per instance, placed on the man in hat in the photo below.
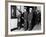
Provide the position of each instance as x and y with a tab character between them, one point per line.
25	18
30	16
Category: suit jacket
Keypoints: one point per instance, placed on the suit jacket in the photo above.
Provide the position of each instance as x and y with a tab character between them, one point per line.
30	16
25	16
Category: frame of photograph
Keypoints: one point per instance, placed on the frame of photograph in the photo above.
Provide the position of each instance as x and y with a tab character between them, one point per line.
28	32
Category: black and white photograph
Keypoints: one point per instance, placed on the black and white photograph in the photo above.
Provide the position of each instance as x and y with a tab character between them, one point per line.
24	18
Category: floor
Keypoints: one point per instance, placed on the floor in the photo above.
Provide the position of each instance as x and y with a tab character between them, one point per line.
36	27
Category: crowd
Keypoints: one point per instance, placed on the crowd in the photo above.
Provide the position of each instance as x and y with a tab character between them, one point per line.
28	19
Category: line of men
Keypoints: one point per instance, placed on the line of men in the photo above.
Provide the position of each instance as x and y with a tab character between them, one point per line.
28	20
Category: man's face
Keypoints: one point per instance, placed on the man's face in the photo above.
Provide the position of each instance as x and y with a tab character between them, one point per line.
30	10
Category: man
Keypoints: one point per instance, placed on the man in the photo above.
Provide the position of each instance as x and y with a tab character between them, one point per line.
38	16
25	18
19	22
34	19
20	19
30	16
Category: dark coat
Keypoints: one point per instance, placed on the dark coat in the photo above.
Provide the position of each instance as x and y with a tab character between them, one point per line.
30	16
25	16
38	17
34	20
25	20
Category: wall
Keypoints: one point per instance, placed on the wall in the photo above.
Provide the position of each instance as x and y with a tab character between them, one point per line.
45	15
2	18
